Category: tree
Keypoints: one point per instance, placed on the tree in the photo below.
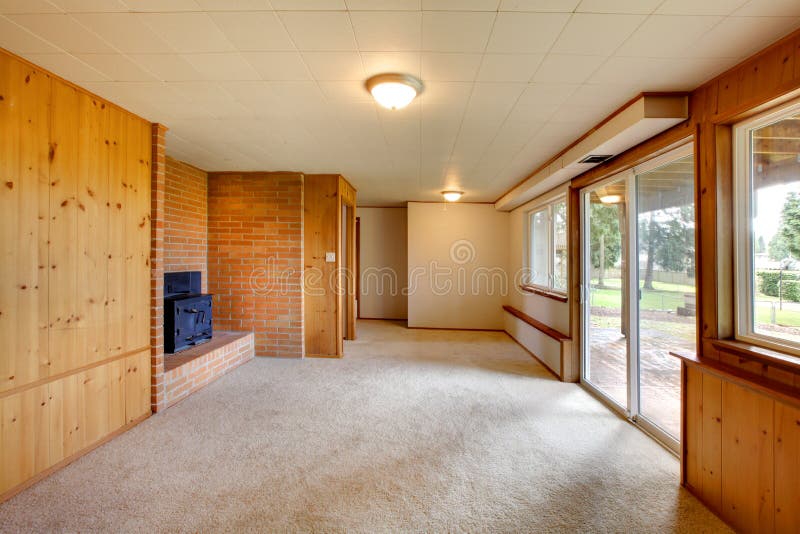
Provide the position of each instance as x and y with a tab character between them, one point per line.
778	249
668	237
605	238
789	229
761	245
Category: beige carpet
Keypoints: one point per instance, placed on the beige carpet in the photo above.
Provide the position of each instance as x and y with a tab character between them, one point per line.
415	430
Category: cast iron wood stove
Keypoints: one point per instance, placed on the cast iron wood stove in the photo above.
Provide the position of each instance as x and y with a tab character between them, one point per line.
187	312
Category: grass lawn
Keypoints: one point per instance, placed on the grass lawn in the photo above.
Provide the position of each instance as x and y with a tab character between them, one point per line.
668	297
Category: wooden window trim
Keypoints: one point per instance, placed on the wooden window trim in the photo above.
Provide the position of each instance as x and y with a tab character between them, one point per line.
758	353
542	292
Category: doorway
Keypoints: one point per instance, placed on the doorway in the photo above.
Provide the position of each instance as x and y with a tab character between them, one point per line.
638	289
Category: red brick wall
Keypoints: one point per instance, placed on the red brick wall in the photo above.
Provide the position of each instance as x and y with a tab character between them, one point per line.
186	219
255	258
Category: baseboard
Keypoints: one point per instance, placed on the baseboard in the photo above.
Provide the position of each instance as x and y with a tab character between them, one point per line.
69	459
456	329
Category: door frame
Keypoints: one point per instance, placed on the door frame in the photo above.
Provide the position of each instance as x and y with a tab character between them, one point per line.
632	411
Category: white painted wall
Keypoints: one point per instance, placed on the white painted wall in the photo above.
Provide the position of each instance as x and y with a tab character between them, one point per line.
457	254
551	312
383	263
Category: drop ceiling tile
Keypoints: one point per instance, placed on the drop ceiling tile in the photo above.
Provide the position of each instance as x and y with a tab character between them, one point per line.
508	67
222	66
660	74
492	101
739	37
335	66
693	7
91	6
68	67
769	8
450	67
540	101
390	31
460	5
553	6
64	32
278	65
633	7
596	34
456	31
384	5
237	5
379	62
610	96
309	5
258	98
526	33
348	91
209	99
253	30
117	67
667	35
319	30
21	41
165	6
567	68
124	31
188	32
166	67
28	6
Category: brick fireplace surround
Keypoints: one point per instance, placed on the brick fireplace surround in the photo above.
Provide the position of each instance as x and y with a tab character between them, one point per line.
242	231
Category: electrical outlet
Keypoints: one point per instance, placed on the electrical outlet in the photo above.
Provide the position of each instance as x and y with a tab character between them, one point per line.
330	257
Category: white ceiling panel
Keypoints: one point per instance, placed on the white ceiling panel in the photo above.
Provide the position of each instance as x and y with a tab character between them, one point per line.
254	31
596	34
166	67
567	68
769	8
553	6
21	41
188	32
260	85
117	68
278	65
90	6
387	31
667	35
64	32
28	6
693	7
124	31
447	31
528	33
222	66
509	67
631	7
319	30
450	67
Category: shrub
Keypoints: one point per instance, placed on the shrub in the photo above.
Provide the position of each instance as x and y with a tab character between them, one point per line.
768	284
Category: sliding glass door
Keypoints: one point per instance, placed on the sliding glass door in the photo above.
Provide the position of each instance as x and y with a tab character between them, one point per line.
639	289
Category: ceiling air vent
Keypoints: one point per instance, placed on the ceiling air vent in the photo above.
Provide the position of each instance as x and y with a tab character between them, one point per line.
596	158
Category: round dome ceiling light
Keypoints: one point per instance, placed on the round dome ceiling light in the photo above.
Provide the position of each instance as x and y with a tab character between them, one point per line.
452	196
392	90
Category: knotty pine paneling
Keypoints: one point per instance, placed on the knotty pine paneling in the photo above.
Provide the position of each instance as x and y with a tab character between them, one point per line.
75	273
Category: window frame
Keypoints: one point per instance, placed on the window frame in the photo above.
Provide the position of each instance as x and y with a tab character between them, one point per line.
549	289
743	268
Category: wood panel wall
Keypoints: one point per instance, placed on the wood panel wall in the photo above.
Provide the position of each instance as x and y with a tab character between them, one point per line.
75	273
740	447
323	307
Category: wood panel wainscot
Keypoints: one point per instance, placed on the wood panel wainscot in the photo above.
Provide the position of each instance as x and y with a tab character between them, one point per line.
75	275
741	445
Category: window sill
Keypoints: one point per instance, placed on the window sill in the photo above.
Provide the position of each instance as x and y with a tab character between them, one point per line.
758	353
560	297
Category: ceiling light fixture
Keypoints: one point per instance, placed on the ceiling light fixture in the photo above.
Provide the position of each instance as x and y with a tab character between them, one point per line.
394	91
611	199
452	196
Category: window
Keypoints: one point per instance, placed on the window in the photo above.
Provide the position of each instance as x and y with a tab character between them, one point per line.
767	177
547	248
